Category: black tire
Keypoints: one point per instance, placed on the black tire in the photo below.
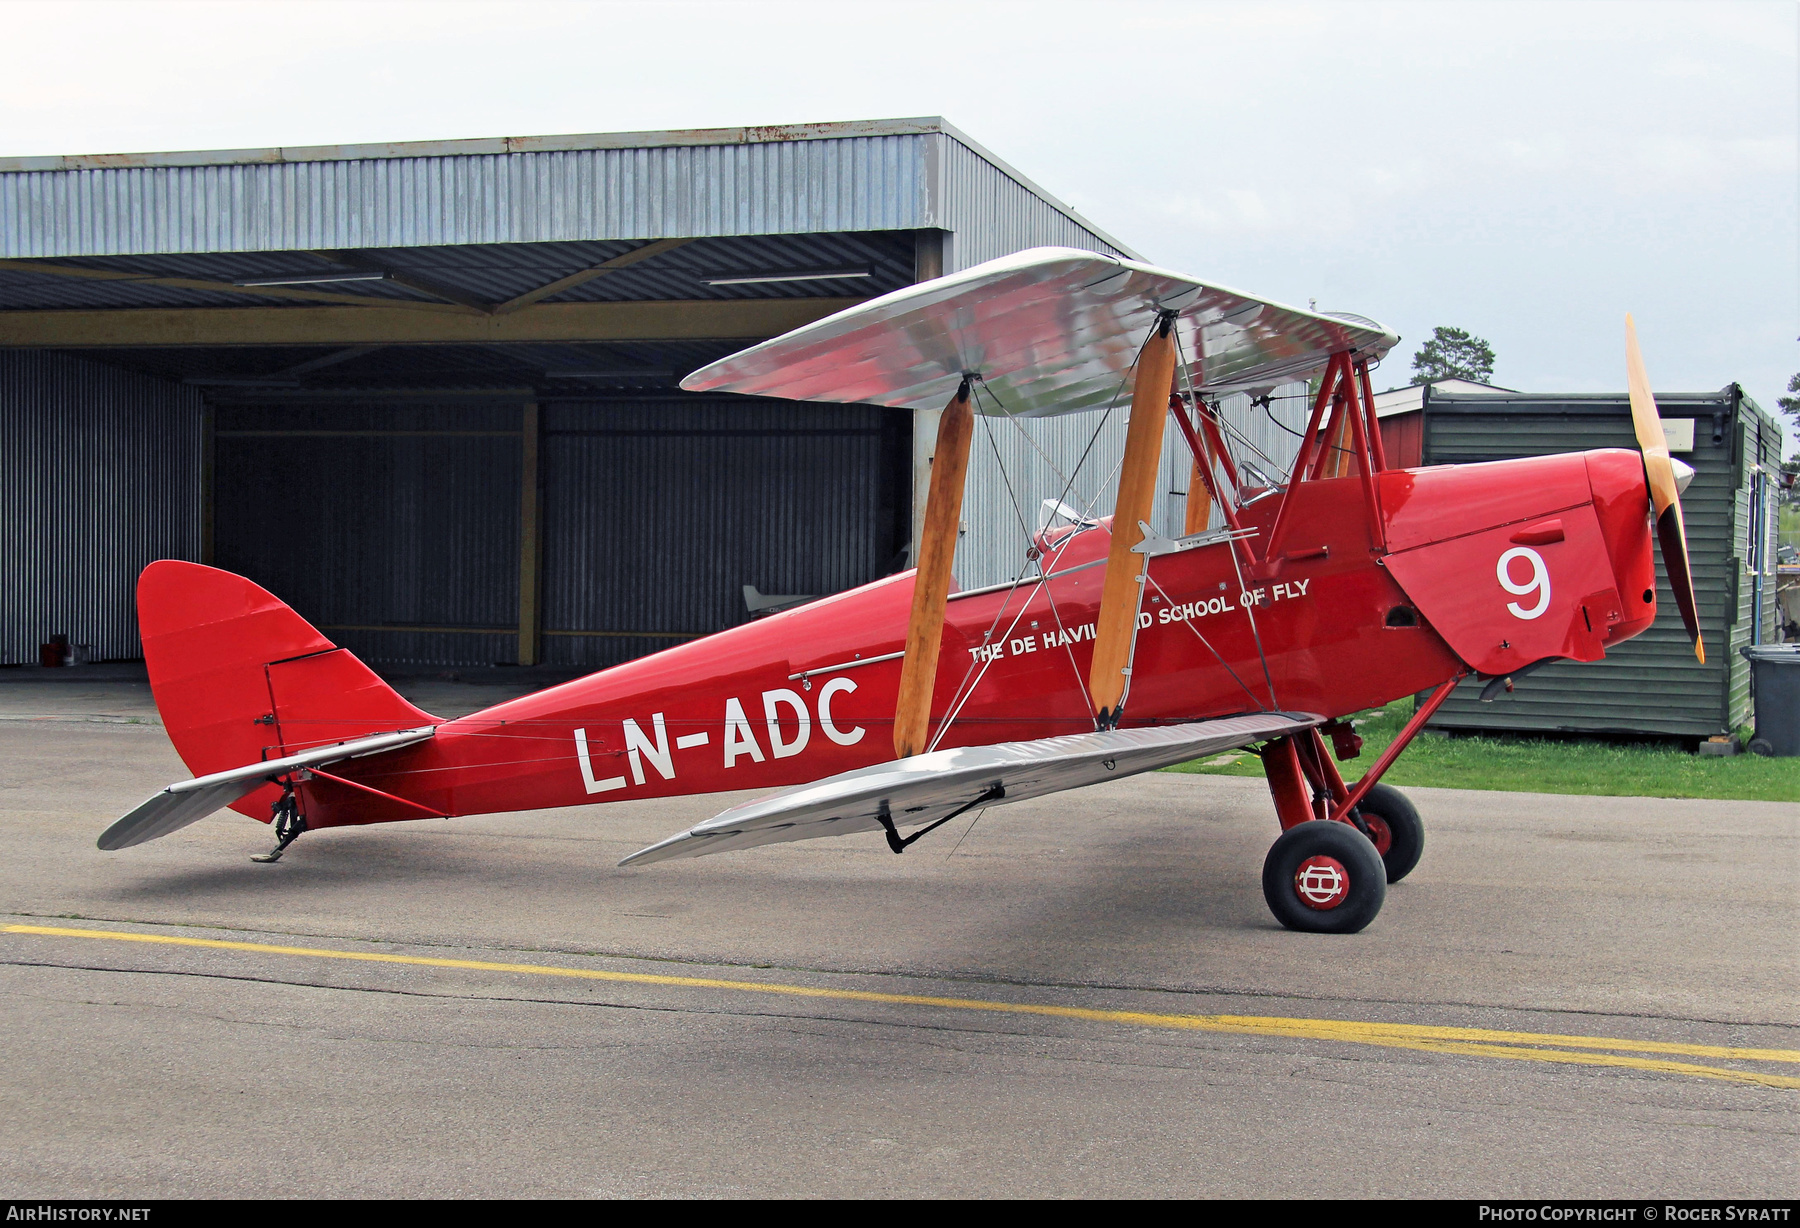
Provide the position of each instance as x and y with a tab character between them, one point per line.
1398	832
1339	849
1761	746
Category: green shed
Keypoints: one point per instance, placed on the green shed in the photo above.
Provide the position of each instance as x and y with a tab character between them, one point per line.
1651	685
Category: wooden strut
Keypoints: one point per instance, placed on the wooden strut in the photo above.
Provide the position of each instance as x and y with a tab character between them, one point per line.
1109	678
1330	442
1199	504
931	583
1200	495
1212	447
1335	460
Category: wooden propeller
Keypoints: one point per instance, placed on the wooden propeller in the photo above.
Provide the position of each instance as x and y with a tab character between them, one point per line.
1665	488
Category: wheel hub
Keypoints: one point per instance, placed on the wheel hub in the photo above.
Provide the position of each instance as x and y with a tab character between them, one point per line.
1322	882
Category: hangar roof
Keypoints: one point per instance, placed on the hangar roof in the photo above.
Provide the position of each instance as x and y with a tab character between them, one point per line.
901	174
517	260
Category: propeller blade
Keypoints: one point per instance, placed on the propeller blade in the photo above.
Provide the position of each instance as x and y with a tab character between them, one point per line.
1665	487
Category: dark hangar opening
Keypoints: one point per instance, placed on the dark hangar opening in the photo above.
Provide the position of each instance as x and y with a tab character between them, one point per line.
429	393
564	504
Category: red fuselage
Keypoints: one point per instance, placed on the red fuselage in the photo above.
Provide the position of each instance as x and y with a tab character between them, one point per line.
1482	568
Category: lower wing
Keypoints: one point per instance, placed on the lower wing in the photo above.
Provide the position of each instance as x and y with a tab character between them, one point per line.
934	787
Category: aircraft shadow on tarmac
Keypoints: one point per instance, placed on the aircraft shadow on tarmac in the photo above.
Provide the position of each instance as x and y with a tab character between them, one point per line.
1039	890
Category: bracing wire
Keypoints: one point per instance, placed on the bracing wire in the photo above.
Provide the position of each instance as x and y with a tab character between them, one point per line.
1027	437
1255	632
966	688
1031	551
1189	624
1225	424
962	696
966	831
1068	650
1100	427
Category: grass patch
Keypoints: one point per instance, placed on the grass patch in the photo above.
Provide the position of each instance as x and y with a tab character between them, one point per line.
1533	764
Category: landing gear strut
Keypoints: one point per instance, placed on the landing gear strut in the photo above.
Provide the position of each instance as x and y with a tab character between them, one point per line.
1316	879
288	822
898	843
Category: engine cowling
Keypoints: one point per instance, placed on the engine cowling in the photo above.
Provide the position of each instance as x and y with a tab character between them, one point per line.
1517	561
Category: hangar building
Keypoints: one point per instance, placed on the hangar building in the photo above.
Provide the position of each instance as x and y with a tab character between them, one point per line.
427	393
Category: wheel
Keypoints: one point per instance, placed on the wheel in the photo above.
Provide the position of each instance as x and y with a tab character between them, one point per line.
1396	828
1761	746
1324	878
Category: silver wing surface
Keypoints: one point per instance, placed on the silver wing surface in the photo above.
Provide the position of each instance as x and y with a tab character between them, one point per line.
1052	330
189	800
925	788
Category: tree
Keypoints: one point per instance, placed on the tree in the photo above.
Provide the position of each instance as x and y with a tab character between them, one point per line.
1790	405
1453	354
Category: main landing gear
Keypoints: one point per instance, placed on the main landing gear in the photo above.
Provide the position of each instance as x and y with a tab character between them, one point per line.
1340	845
1324	878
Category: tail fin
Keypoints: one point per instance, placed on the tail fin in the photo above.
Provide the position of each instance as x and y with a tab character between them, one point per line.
239	677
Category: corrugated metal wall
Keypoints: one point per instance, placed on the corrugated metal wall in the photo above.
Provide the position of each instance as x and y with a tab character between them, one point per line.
1757	440
99	475
879	175
991	214
658	512
396	528
1651	684
363	517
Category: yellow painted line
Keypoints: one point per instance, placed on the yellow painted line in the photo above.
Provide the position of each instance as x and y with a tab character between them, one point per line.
1477	1042
1599	1059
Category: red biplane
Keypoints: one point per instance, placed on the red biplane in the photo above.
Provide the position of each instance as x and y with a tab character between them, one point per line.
897	706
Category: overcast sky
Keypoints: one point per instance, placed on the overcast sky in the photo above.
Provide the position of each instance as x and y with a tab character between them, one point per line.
1527	171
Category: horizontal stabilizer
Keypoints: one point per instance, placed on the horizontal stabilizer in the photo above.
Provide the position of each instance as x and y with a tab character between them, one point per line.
766	603
189	800
925	788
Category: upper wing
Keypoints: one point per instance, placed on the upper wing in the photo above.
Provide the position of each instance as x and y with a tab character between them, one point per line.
925	788
188	800
1051	330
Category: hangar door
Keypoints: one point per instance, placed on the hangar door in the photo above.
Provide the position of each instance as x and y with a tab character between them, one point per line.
401	529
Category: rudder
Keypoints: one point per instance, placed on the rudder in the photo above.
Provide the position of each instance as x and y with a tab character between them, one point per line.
238	676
